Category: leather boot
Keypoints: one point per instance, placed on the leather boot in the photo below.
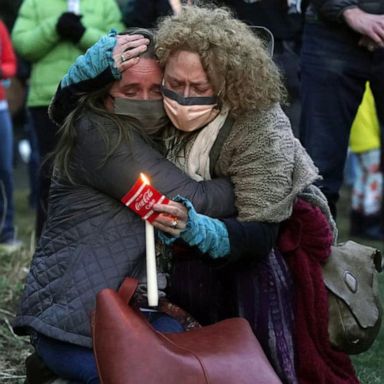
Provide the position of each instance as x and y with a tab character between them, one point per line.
37	372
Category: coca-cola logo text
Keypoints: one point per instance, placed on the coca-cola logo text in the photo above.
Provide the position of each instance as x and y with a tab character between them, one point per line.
145	200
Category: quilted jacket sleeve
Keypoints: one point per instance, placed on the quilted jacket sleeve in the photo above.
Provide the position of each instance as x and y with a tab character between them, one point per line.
332	9
116	175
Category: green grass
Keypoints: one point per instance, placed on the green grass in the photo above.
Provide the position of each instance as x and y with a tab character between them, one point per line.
13	269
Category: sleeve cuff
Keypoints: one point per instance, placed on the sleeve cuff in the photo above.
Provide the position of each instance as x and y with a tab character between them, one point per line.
96	60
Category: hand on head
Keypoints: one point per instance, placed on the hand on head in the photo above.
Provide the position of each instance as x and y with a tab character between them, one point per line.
173	218
128	49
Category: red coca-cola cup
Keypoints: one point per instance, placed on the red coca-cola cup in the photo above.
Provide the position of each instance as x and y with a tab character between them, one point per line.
141	198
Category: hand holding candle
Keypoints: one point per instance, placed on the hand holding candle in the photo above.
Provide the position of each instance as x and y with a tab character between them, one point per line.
141	199
173	218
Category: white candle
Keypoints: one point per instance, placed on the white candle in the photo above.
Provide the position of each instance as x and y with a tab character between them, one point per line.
152	292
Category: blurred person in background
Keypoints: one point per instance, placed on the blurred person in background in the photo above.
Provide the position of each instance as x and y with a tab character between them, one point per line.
285	21
8	66
8	12
50	35
24	136
368	180
145	13
342	48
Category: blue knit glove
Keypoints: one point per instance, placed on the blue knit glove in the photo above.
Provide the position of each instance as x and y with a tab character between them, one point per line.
207	234
96	60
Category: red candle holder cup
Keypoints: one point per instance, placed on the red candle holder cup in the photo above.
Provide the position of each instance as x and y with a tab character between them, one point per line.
142	197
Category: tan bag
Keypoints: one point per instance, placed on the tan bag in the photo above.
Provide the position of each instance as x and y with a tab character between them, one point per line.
355	311
129	351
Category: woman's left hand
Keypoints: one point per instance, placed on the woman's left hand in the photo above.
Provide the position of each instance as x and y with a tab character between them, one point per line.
173	218
128	49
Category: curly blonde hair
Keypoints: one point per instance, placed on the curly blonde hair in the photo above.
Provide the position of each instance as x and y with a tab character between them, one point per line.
236	61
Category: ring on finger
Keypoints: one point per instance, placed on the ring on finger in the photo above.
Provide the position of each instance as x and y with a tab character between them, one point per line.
174	223
122	57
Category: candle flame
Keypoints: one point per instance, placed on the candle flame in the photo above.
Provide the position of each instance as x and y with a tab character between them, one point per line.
145	179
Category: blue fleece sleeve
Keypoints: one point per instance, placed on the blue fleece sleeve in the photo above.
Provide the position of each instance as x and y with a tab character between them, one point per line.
96	60
208	235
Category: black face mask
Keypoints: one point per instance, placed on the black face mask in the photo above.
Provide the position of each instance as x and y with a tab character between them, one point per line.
146	115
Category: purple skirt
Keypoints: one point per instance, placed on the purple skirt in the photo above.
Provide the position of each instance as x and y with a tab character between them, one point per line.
261	292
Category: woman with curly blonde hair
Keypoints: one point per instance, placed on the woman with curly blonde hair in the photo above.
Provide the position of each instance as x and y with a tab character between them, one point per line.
218	74
217	70
222	94
230	53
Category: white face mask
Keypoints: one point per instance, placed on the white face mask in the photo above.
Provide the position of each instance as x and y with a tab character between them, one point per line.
189	113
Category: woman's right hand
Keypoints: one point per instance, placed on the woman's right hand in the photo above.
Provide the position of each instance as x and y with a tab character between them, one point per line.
127	50
172	219
181	220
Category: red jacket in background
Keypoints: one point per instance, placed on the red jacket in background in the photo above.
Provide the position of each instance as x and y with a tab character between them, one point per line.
7	58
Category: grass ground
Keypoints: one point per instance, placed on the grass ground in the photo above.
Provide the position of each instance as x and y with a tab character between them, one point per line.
13	269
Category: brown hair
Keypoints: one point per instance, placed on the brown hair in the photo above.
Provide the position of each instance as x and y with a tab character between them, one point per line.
92	103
